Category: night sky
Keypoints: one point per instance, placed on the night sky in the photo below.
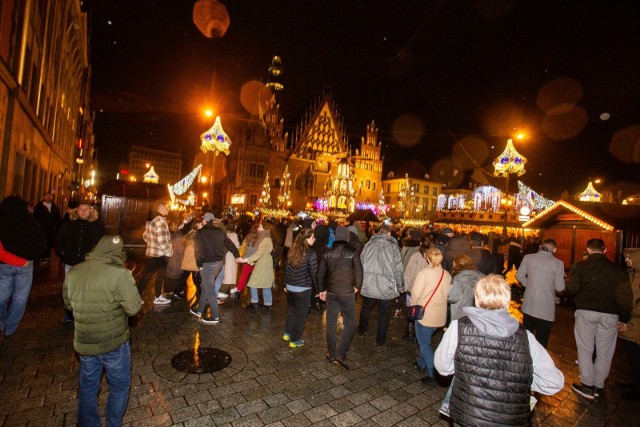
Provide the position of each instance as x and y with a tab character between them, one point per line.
447	82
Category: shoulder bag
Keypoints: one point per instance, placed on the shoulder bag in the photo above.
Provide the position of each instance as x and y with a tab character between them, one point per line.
415	312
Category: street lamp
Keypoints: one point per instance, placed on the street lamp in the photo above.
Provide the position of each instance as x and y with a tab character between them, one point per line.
510	161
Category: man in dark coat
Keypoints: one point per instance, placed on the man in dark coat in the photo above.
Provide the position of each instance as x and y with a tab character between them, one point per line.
78	237
48	215
22	236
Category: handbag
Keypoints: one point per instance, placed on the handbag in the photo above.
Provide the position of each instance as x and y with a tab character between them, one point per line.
415	312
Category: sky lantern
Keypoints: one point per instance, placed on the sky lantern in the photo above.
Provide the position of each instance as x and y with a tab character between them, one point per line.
211	18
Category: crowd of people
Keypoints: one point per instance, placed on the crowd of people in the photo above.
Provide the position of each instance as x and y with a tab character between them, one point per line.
457	280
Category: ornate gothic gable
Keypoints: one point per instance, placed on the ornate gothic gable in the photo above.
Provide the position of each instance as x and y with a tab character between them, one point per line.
321	134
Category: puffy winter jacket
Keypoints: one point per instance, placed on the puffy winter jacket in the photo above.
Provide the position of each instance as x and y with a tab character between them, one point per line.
101	292
340	269
304	275
382	266
493	378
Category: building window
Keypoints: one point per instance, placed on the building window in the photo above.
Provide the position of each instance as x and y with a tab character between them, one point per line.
374	186
417	190
276	183
426	189
435	191
299	183
388	188
367	184
253	199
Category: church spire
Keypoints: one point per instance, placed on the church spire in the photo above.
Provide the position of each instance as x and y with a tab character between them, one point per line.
275	74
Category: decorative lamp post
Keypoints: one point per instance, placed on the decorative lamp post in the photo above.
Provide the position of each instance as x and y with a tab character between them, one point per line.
217	141
510	161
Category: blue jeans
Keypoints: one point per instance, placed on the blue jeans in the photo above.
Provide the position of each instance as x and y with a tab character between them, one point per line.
117	364
15	285
209	272
425	359
266	296
219	279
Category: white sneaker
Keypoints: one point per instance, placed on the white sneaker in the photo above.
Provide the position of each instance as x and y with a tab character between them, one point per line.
222	295
161	300
233	290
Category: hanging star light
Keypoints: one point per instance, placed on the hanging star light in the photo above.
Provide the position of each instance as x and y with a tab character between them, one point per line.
590	194
151	176
215	139
510	161
181	187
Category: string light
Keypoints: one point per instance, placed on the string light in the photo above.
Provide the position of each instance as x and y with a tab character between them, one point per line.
285	188
265	196
181	187
527	197
151	176
590	194
215	139
573	209
510	161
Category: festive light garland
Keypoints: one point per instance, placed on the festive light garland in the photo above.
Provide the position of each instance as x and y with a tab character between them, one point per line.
590	194
181	187
527	197
265	196
573	209
275	213
215	139
510	161
285	188
151	176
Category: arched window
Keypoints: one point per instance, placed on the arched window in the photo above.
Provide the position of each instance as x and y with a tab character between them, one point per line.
374	186
367	184
276	183
299	181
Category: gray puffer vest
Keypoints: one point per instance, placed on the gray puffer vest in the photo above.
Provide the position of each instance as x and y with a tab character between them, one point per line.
493	378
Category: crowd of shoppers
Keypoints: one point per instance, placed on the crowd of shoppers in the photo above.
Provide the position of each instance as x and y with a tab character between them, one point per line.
452	276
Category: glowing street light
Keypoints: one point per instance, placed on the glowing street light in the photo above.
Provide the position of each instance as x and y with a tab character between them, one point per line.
510	161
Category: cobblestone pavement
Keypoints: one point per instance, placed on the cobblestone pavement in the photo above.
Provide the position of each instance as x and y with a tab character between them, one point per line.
266	383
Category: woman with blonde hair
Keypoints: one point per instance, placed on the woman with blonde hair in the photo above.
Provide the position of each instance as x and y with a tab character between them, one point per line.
262	276
497	363
465	277
430	288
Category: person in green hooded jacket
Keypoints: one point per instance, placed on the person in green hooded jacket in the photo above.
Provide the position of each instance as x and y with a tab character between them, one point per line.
101	292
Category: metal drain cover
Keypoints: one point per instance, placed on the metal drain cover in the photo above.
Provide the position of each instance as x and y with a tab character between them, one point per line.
201	361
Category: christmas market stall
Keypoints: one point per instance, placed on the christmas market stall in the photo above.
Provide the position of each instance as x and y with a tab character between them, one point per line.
572	224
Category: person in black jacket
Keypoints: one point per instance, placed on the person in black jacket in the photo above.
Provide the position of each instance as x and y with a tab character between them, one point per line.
209	253
339	279
48	215
78	237
22	236
300	278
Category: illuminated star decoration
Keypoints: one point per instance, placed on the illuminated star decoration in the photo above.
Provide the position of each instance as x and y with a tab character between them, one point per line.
181	187
151	176
590	194
510	161
215	139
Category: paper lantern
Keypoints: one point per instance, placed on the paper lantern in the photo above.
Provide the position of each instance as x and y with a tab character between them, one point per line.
211	18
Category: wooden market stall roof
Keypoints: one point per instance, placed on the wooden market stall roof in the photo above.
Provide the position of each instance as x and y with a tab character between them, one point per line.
606	216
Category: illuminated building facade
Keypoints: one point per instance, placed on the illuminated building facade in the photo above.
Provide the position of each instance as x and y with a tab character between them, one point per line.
315	156
46	125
